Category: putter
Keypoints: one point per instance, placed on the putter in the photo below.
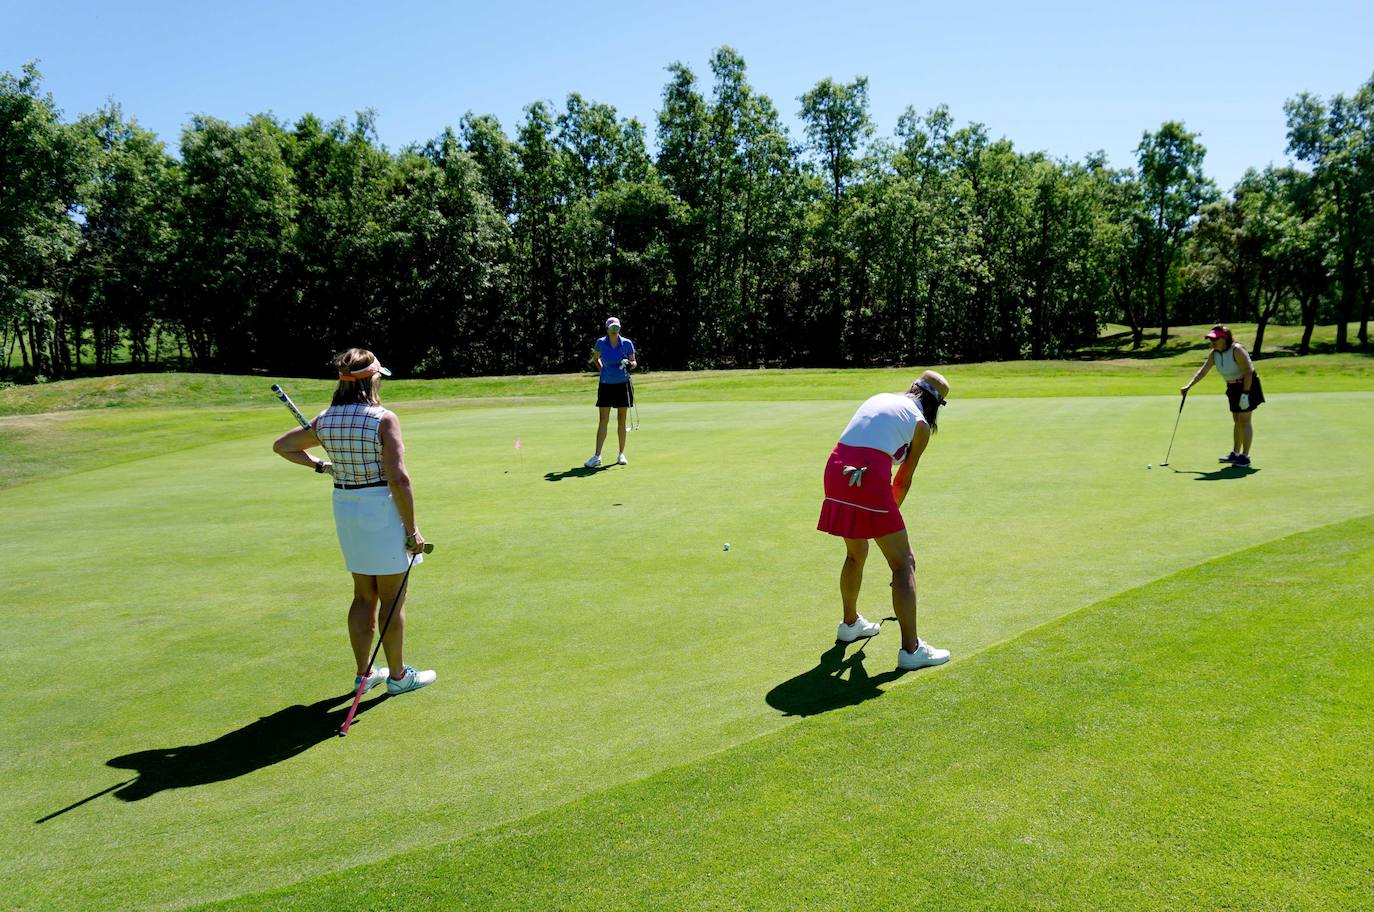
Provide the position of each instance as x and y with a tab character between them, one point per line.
1175	433
286	401
353	710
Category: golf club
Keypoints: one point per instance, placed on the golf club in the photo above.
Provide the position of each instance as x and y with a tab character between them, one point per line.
286	401
634	404
1175	433
428	548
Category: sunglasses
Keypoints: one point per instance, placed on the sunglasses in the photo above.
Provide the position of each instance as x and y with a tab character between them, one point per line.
930	389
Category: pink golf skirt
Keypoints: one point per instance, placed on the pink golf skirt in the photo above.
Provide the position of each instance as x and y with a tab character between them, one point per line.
858	494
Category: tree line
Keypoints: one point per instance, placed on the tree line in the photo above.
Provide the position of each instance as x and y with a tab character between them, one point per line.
267	245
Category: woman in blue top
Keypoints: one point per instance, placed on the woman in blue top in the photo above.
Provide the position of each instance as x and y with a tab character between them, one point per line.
614	356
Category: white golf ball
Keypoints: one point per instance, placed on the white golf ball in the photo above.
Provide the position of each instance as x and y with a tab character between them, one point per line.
727	547
1150	466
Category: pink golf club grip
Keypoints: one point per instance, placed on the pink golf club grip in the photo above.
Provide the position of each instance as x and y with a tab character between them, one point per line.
352	710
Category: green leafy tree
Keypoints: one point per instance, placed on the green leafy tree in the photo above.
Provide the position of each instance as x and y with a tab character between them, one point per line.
44	165
126	237
1174	189
235	232
837	124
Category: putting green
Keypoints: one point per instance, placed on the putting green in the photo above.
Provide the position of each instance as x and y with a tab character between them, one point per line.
184	614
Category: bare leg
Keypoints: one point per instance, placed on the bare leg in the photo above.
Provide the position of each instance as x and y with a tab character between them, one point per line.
388	586
1247	431
1237	433
620	426
362	619
852	576
897	549
602	423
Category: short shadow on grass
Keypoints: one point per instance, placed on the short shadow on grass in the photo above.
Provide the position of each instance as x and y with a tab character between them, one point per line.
271	739
1222	474
577	472
825	687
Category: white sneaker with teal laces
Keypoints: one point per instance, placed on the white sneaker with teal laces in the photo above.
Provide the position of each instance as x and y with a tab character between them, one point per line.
377	677
410	680
861	629
924	655
593	463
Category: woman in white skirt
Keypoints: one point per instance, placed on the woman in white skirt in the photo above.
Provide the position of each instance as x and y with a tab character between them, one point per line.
374	510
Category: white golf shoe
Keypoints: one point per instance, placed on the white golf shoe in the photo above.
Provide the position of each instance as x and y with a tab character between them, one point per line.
593	463
410	680
861	629
924	656
621	460
377	677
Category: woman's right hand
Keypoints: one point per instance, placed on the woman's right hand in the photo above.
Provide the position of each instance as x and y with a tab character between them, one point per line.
1183	390
415	542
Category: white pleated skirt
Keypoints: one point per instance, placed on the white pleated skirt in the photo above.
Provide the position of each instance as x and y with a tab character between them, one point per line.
371	534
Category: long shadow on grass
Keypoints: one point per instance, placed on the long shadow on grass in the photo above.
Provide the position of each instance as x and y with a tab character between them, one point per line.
825	687
577	472
271	739
1221	474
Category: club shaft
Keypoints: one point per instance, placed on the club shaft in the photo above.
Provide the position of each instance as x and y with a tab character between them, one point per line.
1177	419
348	720
286	401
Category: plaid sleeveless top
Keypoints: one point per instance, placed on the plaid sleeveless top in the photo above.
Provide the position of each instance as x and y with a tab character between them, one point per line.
350	437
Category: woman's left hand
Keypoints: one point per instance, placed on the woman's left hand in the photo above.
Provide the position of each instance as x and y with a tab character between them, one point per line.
415	542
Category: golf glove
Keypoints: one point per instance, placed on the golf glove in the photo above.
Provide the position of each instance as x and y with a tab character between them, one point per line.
1244	401
624	363
856	475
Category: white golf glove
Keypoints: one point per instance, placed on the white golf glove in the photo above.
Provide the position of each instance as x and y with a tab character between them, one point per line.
856	475
1244	401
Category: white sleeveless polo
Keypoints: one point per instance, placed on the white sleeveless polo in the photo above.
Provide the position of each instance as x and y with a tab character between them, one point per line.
885	422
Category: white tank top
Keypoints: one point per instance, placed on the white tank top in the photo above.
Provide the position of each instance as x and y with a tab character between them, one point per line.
1225	363
885	422
350	437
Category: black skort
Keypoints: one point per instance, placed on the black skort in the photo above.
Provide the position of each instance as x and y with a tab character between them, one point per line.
613	395
1235	388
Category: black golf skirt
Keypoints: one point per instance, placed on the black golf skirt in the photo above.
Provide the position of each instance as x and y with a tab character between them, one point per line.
1235	388
614	395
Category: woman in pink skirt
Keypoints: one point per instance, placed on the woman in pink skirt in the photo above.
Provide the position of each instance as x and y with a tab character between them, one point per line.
863	501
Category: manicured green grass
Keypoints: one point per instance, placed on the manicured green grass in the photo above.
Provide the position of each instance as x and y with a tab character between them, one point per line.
590	634
1202	742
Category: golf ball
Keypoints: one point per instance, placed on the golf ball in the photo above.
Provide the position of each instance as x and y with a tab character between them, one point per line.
1150	466
727	547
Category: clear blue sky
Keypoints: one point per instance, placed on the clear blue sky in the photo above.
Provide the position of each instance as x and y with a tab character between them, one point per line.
1063	77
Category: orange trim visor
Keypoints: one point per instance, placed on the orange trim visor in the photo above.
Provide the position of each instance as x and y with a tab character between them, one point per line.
371	370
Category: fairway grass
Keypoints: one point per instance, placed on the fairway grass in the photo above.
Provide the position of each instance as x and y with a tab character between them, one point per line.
607	672
1202	742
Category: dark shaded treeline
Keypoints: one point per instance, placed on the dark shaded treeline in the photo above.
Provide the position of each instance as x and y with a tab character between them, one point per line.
267	245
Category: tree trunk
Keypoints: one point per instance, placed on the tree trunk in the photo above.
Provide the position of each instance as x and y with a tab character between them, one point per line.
1307	305
1365	308
1345	304
36	346
23	352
